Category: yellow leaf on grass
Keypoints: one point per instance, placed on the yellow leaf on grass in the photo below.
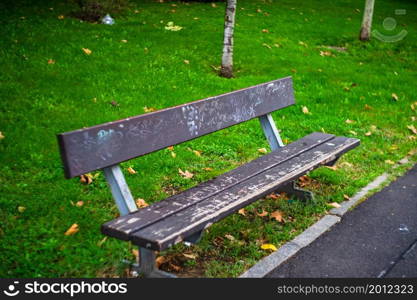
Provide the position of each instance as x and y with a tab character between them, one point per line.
171	27
173	154
368	107
141	203
325	53
349	121
268	247
102	241
373	127
123	41
213	5
394	96
242	212
170	148
369	133
346	197
230	237
190	256
208	169
186	61
262	150
198	153
334	168
61	17
334	204
277	215
72	230
412	128
1	135
390	162
185	174
304	109
131	170
21	209
148	109
353	132
87	51
79	203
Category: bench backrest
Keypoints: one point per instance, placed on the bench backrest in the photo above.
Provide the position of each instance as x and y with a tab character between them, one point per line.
108	144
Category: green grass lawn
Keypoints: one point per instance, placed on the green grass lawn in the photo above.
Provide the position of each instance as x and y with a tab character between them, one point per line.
41	99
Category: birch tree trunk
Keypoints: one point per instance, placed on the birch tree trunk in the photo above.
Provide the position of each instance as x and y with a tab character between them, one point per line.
365	33
229	25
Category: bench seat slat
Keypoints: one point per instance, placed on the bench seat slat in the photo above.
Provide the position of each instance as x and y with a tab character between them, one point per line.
124	226
178	226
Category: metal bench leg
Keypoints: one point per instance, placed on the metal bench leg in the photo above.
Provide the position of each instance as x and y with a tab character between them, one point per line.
147	265
291	189
194	238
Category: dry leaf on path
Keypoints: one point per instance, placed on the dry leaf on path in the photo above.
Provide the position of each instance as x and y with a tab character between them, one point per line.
72	230
160	260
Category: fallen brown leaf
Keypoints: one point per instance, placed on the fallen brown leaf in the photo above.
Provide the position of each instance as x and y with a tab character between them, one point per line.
262	150
198	153
190	256
160	260
412	128
79	203
368	107
334	204
325	53
148	109
208	169
242	212
131	170
349	121
264	213
277	215
185	174
305	110
140	203
230	237
175	267
369	133
87	51
72	230
334	168
61	17
135	253
86	178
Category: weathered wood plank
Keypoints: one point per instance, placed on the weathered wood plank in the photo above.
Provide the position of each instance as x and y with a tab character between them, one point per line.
123	226
96	147
177	227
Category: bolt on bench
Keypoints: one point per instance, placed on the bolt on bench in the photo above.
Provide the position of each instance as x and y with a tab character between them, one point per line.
184	216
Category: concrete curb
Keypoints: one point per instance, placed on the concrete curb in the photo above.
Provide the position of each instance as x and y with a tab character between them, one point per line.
346	205
272	261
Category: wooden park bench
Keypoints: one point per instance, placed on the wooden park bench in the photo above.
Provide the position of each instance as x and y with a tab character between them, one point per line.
184	216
